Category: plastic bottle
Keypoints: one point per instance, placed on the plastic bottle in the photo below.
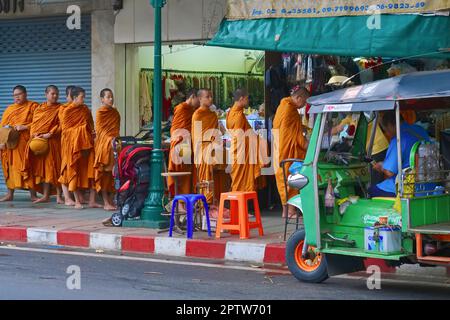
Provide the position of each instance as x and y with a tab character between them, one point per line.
329	199
421	170
428	174
434	162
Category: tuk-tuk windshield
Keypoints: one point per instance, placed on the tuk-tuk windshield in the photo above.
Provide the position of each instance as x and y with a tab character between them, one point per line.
345	138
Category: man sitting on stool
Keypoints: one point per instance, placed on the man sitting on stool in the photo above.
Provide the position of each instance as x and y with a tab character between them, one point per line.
409	135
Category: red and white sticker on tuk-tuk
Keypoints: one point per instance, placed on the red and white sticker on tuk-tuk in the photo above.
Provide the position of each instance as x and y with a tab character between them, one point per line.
337	107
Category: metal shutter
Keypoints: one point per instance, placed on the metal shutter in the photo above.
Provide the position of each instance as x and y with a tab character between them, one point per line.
37	52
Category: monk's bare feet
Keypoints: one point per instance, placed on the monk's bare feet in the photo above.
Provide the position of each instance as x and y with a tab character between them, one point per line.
95	205
6	199
109	207
85	201
70	203
34	199
42	200
59	200
293	214
79	206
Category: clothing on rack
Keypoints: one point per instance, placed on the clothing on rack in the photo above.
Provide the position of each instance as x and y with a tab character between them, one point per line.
222	85
275	81
145	97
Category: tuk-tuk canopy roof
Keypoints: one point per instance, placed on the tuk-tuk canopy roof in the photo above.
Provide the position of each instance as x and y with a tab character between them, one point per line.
429	87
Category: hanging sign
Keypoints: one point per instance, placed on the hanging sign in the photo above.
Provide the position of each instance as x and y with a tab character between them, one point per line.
258	9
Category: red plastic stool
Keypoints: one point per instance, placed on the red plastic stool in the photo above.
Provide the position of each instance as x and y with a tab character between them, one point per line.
239	222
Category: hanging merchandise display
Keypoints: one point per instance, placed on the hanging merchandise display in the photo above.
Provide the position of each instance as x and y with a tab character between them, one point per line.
145	97
315	71
175	82
312	71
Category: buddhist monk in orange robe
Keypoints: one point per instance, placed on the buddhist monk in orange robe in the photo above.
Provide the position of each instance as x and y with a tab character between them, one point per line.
77	149
68	200
207	143
180	143
107	128
44	169
246	161
289	140
19	116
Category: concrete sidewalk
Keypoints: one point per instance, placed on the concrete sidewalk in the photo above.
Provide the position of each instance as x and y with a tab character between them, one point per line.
53	224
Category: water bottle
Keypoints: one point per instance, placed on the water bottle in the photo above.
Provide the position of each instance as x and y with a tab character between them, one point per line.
435	162
329	199
428	162
421	175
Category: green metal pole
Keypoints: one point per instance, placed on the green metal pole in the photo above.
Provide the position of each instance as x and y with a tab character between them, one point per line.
151	214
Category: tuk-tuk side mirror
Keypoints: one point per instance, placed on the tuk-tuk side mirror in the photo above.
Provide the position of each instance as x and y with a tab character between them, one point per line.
297	181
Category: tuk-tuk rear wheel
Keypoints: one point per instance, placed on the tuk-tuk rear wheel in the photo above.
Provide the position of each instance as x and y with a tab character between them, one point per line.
312	268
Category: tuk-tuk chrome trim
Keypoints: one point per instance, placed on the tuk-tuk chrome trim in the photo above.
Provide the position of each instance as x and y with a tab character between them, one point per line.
399	150
408	208
372	133
359	106
316	184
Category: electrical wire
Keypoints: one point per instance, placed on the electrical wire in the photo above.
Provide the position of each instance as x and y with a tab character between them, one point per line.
446	50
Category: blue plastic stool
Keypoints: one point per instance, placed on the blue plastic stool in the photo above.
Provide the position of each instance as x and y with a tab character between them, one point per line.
190	200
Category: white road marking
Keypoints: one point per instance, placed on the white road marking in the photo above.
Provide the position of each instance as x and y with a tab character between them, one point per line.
396	281
186	263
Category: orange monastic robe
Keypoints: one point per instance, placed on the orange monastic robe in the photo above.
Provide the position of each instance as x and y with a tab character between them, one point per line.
45	168
245	152
289	142
180	134
107	128
13	160
208	149
77	148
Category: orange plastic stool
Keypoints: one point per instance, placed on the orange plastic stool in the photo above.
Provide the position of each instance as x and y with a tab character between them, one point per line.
239	222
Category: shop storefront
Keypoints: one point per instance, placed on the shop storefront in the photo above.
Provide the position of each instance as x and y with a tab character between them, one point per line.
186	63
309	45
39	47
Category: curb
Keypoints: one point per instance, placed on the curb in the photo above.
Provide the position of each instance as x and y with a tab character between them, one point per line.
179	247
273	253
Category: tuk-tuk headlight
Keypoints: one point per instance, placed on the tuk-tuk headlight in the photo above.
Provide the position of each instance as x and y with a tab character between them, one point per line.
297	181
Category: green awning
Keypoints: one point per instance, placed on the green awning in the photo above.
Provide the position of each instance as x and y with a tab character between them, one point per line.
399	35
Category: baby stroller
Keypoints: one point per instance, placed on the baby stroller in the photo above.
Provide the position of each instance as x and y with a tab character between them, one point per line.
131	175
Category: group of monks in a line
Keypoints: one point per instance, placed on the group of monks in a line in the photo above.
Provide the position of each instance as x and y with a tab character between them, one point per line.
79	156
290	142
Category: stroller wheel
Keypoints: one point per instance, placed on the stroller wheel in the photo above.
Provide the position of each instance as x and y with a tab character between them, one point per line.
117	219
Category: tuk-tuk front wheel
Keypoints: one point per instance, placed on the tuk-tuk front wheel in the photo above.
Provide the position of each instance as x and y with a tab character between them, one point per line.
311	268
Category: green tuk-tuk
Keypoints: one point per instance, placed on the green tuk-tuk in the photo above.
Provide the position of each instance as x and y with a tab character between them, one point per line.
343	225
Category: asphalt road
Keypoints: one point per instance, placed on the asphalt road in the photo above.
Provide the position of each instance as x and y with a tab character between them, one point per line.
42	275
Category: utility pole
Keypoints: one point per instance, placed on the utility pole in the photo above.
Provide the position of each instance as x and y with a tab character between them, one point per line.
151	214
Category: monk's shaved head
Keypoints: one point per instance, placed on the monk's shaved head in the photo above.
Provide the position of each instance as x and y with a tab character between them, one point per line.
240	93
203	92
76	92
104	91
69	90
191	92
299	91
51	87
20	88
206	98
